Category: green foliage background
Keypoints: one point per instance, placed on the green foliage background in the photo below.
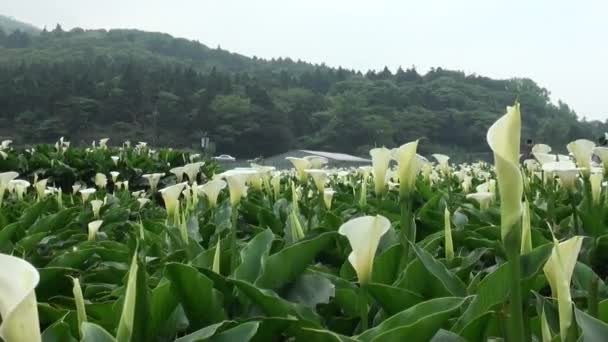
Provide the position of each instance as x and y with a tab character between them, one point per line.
129	84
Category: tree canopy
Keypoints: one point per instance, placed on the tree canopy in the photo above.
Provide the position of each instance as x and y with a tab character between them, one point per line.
129	84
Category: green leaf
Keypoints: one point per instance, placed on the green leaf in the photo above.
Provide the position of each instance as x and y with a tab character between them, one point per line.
494	288
446	336
201	302
393	299
274	306
451	282
203	333
593	330
418	323
58	332
386	265
134	317
321	335
284	266
92	332
242	333
311	289
253	256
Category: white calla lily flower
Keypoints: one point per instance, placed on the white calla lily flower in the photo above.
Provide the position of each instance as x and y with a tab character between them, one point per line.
101	181
93	228
300	164
316	162
541	148
319	177
153	179
18	307
443	161
85	193
504	140
328	195
559	270
170	196
363	234
582	150
596	187
408	165
483	198
114	175
212	190
96	207
381	158
142	202
191	170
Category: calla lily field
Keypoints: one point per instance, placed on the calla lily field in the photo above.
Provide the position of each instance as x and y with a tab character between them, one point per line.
122	242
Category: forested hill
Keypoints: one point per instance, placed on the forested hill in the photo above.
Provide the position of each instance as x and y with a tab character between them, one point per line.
129	84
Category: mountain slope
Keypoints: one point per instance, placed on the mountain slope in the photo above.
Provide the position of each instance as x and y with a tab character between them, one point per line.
8	25
129	84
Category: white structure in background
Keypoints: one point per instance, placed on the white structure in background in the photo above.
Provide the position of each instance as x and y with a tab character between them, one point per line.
343	157
225	157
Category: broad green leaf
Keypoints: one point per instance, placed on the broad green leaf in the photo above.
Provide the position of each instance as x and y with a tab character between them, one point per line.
274	306
287	264
311	289
201	302
437	269
58	332
446	336
393	299
243	333
92	332
322	335
386	265
203	333
593	330
418	323
253	256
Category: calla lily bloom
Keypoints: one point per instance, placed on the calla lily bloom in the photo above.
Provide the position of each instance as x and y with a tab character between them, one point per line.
40	187
300	164
20	186
170	196
85	193
328	195
115	159
153	179
96	206
81	312
448	243
541	148
566	171
75	188
275	183
319	177
381	158
483	198
192	170
114	175
316	162
5	178
363	234
142	202
558	270
178	172
101	181
504	139
443	161
93	227
582	150
602	153
4	155
212	190
237	180
18	307
408	164
5	144
217	257
103	143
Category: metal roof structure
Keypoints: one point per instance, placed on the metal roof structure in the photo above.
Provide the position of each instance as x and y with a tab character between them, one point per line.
338	156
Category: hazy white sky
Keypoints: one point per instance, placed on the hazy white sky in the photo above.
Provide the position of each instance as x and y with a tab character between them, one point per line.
560	44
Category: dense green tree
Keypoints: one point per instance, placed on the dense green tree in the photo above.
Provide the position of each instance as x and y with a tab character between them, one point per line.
128	84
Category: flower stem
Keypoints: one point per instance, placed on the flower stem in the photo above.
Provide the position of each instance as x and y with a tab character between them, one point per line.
233	247
363	307
512	242
408	229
